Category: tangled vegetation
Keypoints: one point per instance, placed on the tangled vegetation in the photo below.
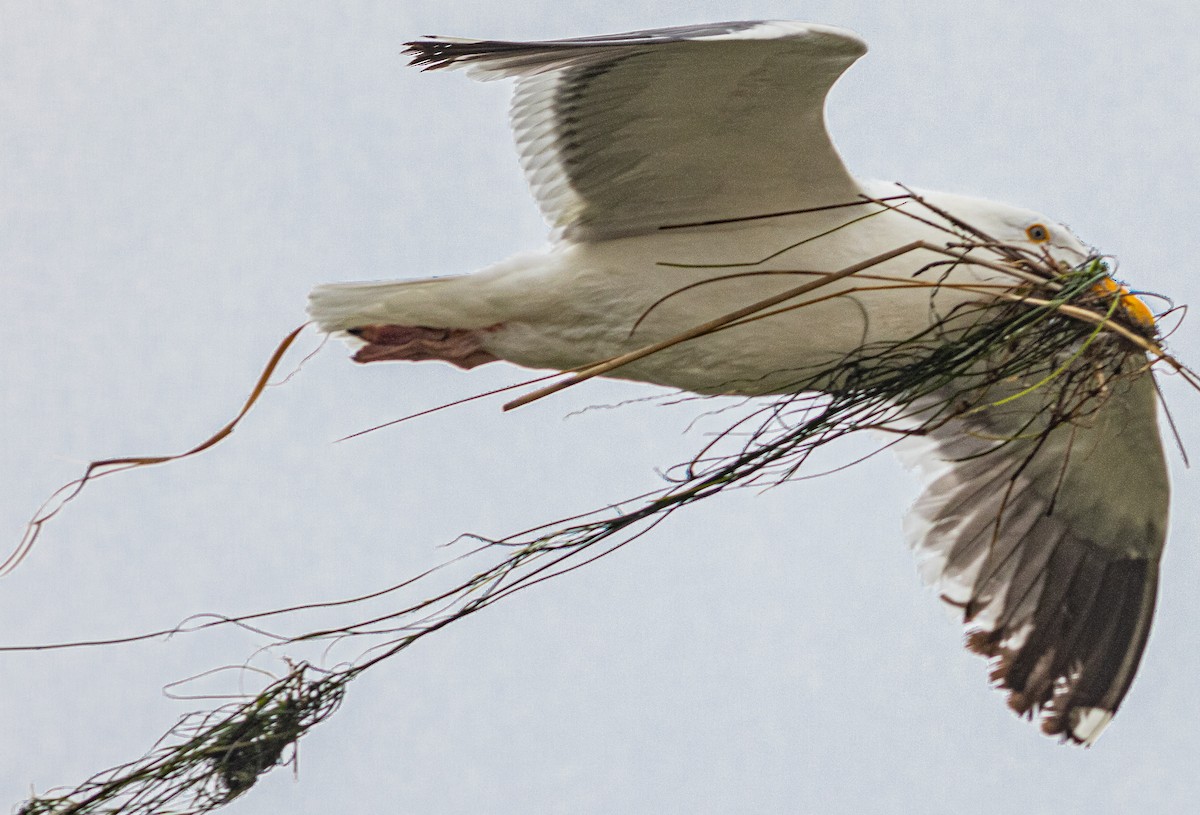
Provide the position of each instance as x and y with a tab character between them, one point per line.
1056	337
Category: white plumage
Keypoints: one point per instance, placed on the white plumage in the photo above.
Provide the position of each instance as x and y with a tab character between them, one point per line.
663	159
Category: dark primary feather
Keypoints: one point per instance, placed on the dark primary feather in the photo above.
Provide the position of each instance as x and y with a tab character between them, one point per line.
435	52
1089	619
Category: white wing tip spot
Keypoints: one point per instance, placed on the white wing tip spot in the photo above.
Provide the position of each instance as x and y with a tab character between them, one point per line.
1088	723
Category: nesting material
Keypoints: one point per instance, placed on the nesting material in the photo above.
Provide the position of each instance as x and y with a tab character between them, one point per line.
1051	348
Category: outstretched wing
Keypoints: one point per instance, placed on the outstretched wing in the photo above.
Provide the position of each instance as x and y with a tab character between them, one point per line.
626	133
1050	543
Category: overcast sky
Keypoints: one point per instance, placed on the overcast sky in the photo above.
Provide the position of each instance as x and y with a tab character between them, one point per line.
175	176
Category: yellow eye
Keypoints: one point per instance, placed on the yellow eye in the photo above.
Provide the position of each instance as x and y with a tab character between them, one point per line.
1038	233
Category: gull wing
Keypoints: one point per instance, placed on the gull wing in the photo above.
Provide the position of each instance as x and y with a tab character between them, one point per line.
1050	543
627	133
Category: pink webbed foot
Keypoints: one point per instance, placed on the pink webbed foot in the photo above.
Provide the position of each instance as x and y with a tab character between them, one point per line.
458	346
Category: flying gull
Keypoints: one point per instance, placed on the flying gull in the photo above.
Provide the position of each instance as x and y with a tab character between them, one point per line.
686	173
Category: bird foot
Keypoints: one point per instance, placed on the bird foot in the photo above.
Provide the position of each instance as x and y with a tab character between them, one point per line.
458	346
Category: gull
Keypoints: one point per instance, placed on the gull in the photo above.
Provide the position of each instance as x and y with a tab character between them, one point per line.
687	175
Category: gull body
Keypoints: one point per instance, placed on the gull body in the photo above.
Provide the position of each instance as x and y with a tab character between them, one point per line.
578	302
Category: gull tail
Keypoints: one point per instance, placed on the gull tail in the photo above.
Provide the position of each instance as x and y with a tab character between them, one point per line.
435	302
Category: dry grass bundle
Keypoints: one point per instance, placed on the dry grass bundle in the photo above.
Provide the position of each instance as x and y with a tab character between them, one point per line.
207	759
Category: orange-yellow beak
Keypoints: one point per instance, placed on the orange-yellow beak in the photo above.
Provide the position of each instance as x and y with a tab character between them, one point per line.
1133	308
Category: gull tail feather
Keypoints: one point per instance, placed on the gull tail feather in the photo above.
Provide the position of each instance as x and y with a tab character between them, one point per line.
429	302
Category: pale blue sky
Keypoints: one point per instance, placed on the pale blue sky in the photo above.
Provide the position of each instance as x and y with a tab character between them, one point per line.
175	176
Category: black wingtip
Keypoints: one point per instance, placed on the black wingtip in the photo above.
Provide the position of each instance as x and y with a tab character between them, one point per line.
429	54
1071	665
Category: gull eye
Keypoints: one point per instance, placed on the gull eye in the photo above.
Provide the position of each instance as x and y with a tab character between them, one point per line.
1038	233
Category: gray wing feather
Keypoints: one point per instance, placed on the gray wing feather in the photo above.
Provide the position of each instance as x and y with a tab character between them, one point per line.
627	133
1051	549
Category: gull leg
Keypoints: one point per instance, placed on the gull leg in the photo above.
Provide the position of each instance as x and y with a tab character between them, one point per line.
458	346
